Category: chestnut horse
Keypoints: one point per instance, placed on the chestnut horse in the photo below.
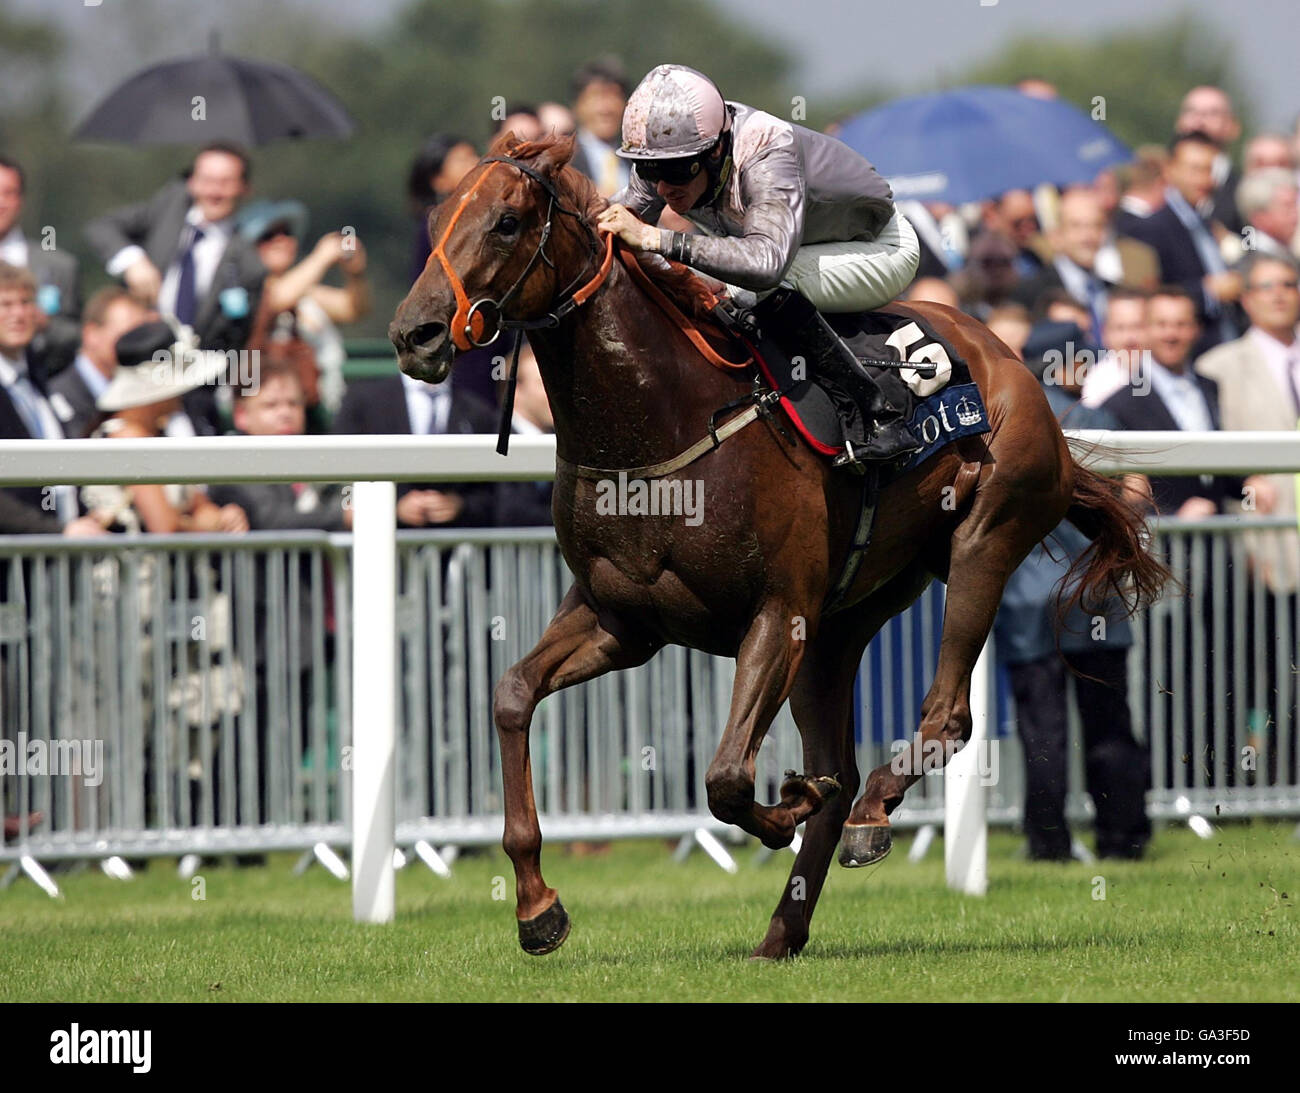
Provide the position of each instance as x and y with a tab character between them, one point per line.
514	247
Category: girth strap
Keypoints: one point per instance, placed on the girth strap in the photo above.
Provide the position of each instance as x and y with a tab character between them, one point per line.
760	407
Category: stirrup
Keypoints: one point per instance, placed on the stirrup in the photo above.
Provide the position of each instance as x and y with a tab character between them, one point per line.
848	460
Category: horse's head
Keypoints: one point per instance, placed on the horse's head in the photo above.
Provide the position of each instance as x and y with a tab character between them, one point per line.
506	242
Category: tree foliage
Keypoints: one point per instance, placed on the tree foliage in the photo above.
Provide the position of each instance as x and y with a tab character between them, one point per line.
1141	74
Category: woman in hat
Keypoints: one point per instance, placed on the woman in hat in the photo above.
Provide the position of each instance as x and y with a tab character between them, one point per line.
153	372
300	314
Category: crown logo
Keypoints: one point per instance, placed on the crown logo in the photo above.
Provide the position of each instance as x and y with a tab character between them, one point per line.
968	413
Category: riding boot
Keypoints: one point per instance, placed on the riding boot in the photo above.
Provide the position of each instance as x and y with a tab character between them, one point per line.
882	435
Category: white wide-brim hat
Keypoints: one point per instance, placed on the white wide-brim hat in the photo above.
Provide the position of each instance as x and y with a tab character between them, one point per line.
156	363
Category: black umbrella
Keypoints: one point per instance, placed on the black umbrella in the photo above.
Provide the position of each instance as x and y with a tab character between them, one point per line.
194	100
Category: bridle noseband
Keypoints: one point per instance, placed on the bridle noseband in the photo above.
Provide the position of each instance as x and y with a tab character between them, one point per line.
469	325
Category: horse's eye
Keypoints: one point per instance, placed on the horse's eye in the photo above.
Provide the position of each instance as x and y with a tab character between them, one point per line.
508	224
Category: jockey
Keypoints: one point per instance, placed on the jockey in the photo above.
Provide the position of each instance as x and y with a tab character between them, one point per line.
790	219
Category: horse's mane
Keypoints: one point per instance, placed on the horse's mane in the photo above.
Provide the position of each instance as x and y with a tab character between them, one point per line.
681	285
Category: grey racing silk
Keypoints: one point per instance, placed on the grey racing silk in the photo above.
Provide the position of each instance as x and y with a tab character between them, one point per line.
789	186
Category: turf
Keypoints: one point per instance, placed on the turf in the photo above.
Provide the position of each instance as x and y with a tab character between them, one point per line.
1198	920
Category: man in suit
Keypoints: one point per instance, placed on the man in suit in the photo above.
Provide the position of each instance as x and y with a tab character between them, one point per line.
1259	388
1014	216
1168	394
1074	264
1186	241
1270	202
110	313
1209	110
58	280
179	252
1037	650
1142	187
599	95
397	405
25	414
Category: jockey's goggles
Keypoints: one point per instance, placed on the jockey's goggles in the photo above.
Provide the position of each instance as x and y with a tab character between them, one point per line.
675	172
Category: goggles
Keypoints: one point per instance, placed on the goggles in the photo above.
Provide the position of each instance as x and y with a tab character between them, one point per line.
675	172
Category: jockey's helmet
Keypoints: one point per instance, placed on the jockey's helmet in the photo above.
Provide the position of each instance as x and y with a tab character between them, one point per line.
674	113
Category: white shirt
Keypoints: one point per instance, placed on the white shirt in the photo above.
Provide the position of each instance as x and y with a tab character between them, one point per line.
1281	360
13	248
1183	398
1104	378
27	399
521	425
179	424
428	407
95	380
207	256
1108	265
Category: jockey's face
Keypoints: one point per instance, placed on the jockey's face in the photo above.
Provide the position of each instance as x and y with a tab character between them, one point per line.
682	196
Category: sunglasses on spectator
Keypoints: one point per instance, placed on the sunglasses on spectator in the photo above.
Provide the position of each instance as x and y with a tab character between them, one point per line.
675	172
274	232
1268	286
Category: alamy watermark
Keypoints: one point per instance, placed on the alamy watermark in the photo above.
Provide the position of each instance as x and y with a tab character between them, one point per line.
82	758
918	757
654	497
238	368
1069	367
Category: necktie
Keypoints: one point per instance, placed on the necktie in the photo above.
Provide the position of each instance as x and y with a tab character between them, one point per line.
186	295
1096	305
24	397
437	422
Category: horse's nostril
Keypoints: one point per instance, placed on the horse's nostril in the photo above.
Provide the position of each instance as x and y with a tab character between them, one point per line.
427	335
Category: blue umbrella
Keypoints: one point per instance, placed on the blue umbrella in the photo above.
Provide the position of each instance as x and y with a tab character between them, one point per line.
976	142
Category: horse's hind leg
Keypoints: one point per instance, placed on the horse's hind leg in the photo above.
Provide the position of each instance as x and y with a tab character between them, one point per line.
766	665
575	647
1004	524
822	704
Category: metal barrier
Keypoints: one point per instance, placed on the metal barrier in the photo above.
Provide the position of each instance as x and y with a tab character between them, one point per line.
209	673
170	694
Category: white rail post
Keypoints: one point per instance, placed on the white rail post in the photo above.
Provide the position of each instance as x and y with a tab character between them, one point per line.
374	698
965	823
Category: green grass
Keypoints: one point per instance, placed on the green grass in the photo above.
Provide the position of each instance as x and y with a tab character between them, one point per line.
1203	920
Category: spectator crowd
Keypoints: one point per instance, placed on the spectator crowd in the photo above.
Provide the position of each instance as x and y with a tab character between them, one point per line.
1166	290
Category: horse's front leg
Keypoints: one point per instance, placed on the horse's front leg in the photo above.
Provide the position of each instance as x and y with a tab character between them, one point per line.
766	666
576	647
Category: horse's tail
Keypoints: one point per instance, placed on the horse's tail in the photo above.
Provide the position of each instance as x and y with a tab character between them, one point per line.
1118	562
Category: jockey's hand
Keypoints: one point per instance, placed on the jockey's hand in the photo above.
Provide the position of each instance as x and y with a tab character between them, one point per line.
621	221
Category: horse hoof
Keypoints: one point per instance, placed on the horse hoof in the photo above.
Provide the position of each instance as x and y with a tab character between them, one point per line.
820	787
864	844
545	933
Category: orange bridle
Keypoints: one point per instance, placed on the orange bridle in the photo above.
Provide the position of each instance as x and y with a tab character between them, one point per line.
468	326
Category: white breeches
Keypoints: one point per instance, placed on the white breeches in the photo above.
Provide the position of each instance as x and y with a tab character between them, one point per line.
857	275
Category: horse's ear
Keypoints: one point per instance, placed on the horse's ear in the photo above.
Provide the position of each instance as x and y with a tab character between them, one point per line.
557	152
499	146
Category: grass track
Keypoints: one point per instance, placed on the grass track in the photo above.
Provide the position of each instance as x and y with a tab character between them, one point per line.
1199	920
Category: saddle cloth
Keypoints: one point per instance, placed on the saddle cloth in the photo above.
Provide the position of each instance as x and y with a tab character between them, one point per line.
940	408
